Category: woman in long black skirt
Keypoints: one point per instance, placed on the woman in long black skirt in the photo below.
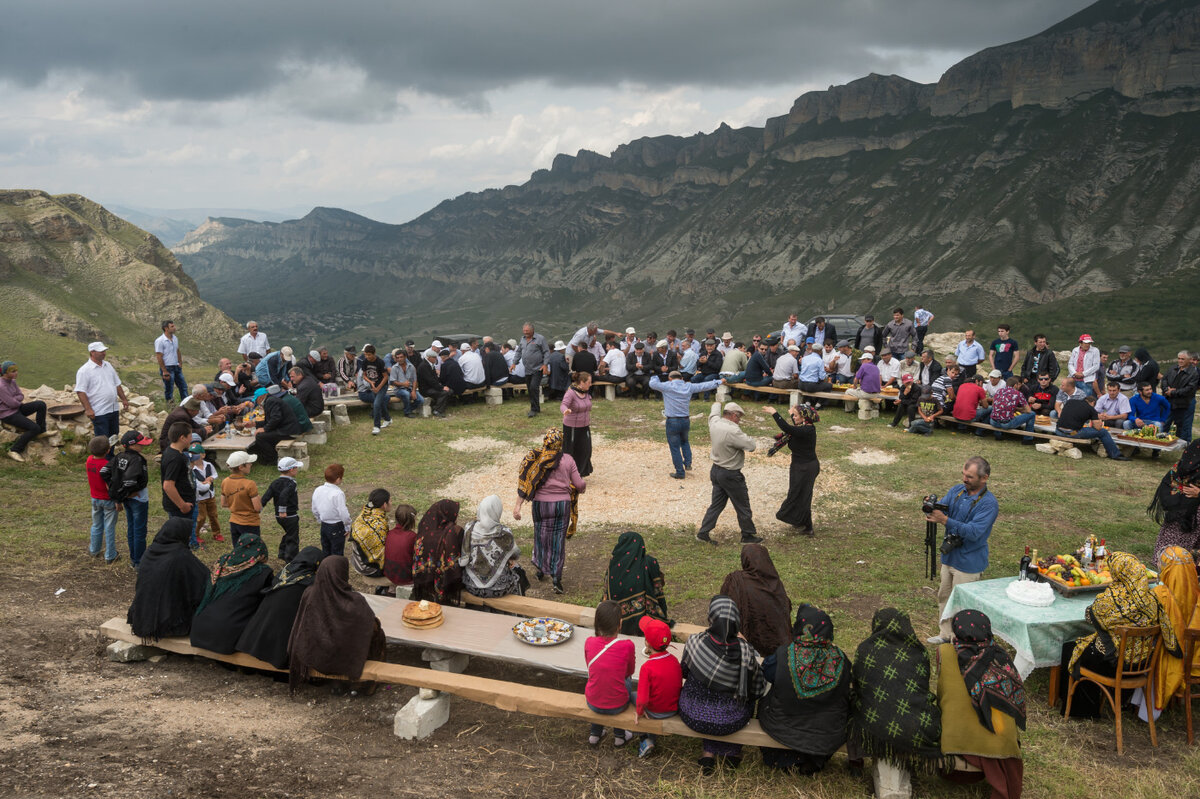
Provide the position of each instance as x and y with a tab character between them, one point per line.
577	421
801	433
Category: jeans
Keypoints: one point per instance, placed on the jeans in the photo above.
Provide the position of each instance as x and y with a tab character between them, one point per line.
106	424
920	426
1091	433
1182	419
32	429
174	378
135	520
378	400
677	440
1086	388
333	538
1020	420
762	381
409	397
104	526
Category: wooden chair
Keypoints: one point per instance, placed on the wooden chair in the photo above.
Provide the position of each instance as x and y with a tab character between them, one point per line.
1126	678
1191	677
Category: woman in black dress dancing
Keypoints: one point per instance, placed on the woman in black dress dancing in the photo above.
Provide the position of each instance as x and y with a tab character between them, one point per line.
801	433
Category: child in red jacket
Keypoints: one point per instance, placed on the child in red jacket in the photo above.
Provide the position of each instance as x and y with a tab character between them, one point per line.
610	662
659	679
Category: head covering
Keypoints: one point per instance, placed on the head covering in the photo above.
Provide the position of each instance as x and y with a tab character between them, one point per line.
369	531
1170	505
991	678
436	573
1127	602
170	584
895	714
5	366
248	557
719	659
302	570
538	464
266	633
259	394
635	582
97	346
762	600
335	631
488	546
1179	594
815	665
656	632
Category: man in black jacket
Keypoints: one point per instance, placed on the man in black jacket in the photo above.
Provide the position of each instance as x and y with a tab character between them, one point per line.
495	369
1039	360
278	423
869	336
639	368
930	369
1179	387
308	391
430	387
821	331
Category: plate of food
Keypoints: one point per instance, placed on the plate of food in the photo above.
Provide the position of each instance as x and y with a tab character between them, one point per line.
423	615
1149	435
543	631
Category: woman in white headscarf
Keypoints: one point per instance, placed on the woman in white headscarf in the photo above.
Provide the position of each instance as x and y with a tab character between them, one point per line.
489	559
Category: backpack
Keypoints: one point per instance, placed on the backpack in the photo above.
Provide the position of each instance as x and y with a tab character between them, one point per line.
126	476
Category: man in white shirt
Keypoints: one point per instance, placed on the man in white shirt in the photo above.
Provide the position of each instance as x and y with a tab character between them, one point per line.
166	352
587	334
794	331
253	341
99	390
1113	408
838	366
921	320
967	355
615	369
629	341
889	369
787	369
472	367
994	383
726	343
1083	364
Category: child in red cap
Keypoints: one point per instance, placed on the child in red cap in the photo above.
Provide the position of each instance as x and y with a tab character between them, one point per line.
659	679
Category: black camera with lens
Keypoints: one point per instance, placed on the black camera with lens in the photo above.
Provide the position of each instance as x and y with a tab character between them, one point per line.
930	503
950	543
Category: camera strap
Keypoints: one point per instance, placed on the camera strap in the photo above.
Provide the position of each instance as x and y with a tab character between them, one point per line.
974	502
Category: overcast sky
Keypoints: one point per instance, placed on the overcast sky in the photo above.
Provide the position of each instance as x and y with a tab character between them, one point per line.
388	107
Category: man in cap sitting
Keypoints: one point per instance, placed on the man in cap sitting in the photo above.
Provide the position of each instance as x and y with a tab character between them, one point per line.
866	387
787	369
639	368
729	447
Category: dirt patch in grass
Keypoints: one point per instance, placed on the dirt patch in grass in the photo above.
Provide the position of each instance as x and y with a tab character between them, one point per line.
870	457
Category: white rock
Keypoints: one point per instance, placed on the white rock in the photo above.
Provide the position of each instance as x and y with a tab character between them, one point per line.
1071	453
1044	446
125	652
891	781
455	664
421	717
428	693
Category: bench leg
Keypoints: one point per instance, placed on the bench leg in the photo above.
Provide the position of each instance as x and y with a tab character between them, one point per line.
610	392
421	717
493	396
723	393
341	416
440	660
891	781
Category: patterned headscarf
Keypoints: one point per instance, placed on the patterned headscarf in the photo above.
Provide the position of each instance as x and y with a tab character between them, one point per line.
234	568
300	571
1170	504
815	664
720	659
635	582
1127	602
436	573
370	531
538	464
1179	594
895	714
5	366
992	679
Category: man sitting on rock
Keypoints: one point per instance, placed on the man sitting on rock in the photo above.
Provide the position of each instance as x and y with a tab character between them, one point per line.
308	392
15	411
866	387
1077	419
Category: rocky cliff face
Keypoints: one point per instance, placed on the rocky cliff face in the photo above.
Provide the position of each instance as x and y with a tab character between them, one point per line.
71	272
1055	167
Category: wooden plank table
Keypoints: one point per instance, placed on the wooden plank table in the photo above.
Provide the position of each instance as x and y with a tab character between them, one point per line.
223	447
1047	432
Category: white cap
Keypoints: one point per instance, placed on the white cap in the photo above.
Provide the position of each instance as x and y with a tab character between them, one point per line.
866	356
97	346
437	345
512	342
241	458
464	347
995	373
286	353
227	379
629	331
559	346
286	464
869	348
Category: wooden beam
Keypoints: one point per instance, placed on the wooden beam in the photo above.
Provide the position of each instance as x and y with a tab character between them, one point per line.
575	614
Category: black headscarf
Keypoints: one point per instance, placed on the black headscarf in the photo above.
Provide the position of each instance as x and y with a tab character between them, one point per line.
992	679
1170	505
171	583
635	582
266	634
761	599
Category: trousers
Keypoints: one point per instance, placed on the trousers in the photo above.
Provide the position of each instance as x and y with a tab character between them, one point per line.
729	485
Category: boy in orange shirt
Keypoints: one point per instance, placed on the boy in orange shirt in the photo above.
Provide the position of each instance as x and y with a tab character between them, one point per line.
240	494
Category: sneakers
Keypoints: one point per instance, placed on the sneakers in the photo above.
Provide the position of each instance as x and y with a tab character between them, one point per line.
385	423
557	586
1119	458
594	740
218	537
374	431
645	748
751	539
891	424
704	537
622	739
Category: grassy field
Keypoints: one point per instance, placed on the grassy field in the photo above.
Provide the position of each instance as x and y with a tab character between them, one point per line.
868	553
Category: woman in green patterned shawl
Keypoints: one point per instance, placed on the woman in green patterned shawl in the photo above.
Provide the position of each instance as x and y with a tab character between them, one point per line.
808	707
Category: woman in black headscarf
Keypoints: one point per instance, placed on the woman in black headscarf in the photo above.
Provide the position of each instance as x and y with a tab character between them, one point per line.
266	635
170	585
1147	367
1176	504
796	510
808	707
238	579
982	700
761	599
722	683
336	631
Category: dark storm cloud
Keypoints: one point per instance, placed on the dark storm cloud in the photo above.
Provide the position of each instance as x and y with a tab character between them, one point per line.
463	48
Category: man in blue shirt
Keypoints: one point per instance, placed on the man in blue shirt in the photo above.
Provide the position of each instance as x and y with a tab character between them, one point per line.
1146	407
967	354
972	511
677	398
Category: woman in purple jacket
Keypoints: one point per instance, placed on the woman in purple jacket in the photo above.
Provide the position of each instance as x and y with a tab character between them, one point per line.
577	421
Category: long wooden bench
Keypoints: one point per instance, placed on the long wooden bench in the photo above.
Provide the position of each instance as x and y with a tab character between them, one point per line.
795	396
1080	443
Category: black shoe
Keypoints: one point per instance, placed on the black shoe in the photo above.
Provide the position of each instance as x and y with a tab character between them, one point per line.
531	414
1028	441
708	765
808	531
540	575
410	414
704	537
118	557
687	466
557	586
751	539
1119	458
678	476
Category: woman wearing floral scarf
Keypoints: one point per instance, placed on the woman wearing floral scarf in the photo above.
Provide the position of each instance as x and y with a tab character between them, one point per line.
1176	504
550	481
1127	602
635	582
238	578
436	573
808	707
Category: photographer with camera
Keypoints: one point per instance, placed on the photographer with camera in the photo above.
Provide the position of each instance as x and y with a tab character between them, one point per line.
968	512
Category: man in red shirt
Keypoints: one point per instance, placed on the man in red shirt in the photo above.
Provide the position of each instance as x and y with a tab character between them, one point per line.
970	403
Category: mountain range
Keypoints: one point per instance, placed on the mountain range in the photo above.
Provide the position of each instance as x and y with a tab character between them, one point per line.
71	272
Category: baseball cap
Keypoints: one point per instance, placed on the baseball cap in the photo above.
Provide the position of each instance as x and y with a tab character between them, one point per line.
867	356
410	343
241	458
134	437
869	348
1085	338
995	373
436	345
227	379
97	346
906	378
512	342
289	463
810	340
658	634
286	353
733	407
196	452
464	347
